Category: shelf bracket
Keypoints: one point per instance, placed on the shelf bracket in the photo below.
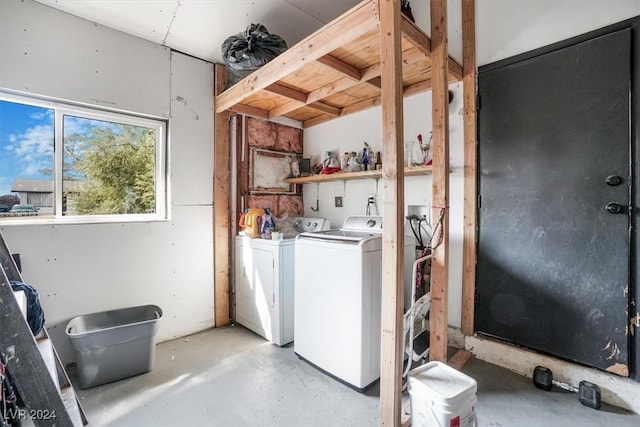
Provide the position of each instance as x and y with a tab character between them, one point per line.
317	208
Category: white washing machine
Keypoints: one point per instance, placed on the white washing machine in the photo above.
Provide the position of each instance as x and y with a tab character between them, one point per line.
338	299
264	283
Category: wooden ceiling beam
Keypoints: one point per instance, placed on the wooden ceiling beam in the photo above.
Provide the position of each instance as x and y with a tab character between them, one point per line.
326	108
375	82
287	92
340	66
370	75
421	41
323	118
250	111
416	36
368	103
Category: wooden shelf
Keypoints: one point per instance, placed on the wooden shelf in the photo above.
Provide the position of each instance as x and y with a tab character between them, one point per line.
333	72
349	176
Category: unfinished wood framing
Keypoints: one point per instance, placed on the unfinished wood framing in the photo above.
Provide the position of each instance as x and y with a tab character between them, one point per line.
440	118
469	249
371	55
221	207
334	72
392	339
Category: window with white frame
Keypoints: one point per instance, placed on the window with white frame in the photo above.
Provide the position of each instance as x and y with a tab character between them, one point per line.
71	163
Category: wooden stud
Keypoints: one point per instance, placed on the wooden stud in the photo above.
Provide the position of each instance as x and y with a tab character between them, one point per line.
392	338
242	164
469	233
221	207
440	118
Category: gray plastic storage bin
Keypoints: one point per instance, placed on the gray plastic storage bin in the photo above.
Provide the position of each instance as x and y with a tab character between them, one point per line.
115	344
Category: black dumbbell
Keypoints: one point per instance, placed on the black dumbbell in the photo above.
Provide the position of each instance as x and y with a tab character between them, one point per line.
588	393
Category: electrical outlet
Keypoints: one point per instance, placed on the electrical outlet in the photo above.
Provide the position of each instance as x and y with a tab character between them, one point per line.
338	200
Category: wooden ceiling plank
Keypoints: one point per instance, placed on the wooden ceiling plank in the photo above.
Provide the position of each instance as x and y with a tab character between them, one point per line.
340	66
358	21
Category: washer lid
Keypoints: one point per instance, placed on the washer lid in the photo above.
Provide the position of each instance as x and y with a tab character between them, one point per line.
342	236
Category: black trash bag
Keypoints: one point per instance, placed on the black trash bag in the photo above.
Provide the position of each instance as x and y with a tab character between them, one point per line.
246	52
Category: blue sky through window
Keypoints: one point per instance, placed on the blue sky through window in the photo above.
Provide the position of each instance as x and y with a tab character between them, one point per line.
26	143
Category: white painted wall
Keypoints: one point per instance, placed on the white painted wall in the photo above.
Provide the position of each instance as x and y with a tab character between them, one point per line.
79	269
348	134
506	28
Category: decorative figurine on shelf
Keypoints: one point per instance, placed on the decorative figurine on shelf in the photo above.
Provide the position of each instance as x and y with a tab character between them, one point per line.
419	152
366	157
426	148
353	164
330	163
344	160
373	160
378	161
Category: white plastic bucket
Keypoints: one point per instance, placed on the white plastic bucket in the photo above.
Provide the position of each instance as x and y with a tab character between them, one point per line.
441	396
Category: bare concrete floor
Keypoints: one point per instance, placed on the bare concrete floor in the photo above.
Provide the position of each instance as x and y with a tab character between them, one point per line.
232	377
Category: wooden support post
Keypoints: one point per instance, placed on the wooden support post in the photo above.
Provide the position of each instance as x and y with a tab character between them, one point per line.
392	339
469	255
440	118
221	207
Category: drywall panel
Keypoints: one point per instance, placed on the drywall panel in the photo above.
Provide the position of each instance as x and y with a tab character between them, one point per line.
124	15
349	134
79	269
507	28
47	52
191	131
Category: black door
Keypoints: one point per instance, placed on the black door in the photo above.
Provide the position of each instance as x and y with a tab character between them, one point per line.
554	185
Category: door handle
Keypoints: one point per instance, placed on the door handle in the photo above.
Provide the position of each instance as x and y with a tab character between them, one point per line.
613	208
613	180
